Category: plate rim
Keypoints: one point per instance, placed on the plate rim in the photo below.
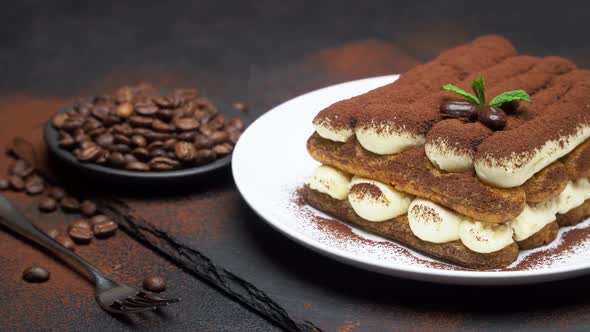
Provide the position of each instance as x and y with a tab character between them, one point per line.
408	271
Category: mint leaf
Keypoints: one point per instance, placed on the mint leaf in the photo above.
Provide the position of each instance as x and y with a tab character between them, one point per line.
467	95
479	89
509	96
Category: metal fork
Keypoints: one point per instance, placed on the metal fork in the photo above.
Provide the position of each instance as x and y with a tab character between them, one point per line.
110	295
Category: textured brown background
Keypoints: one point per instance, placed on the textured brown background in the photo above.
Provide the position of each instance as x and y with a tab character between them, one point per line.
263	52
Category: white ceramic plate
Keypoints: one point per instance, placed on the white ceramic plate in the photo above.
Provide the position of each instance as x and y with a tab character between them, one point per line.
270	162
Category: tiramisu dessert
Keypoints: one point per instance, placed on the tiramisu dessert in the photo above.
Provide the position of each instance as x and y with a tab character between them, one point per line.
469	158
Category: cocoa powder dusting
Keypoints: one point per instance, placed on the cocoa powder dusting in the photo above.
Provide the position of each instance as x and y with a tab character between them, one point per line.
367	190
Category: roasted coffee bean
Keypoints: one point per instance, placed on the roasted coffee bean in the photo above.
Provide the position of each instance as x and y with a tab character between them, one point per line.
184	151
493	117
72	123
186	124
80	224
146	109
141	121
219	137
202	142
122	148
53	233
70	204
121	139
48	204
96	133
56	192
169	144
124	110
155	136
217	122
184	94
142	154
138	140
90	153
87	208
22	168
163	102
87	144
459	109
80	235
124	94
66	140
155	145
116	159
188	136
34	185
99	218
205	130
123	129
105	140
103	157
222	149
158	153
241	106
154	284
105	229
163	163
101	112
59	120
234	136
4	184
137	166
234	124
16	183
111	120
65	241
35	274
159	125
165	114
129	158
204	156
92	124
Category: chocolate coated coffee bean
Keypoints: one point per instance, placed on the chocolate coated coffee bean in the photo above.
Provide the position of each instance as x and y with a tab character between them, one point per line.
16	183
105	229
70	204
493	117
154	284
4	184
87	208
47	204
65	241
35	274
81	235
459	109
57	193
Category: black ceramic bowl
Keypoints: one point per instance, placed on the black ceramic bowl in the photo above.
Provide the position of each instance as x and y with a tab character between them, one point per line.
66	162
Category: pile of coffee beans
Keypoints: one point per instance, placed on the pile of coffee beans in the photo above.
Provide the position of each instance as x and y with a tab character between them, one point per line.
138	129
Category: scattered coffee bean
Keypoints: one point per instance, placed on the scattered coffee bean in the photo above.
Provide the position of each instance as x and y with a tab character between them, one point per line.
4	184
16	183
70	204
98	219
35	274
105	229
22	169
57	193
87	208
80	224
34	185
65	241
48	204
154	284
81	235
53	233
